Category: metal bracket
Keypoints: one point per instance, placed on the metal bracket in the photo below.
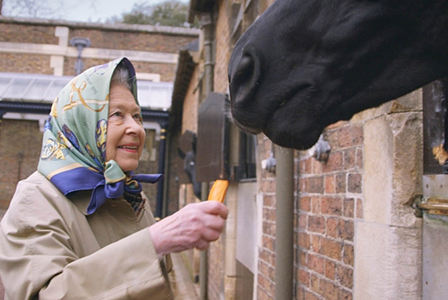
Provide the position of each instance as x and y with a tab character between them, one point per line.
434	206
321	150
418	212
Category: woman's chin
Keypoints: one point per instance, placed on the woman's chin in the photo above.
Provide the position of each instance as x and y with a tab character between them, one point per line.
128	166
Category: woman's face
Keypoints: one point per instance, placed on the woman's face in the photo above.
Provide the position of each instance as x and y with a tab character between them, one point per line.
125	134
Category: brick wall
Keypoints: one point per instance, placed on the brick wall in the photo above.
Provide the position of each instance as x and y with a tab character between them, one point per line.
19	156
136	41
266	260
223	48
330	201
166	71
24	33
29	63
103	37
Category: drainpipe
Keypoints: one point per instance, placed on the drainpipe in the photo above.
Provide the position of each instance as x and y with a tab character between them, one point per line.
284	220
160	184
207	27
2	112
166	180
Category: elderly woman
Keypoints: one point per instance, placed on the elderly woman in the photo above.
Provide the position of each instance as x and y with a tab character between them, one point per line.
80	227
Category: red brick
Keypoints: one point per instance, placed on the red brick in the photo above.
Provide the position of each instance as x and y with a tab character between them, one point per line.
269	201
348	255
316	224
330	184
267	256
331	249
314	185
269	214
349	158
268	186
347	229
345	295
349	208
268	242
316	263
263	295
333	227
302	258
359	158
316	167
305	203
355	183
269	228
330	269
305	166
267	270
334	162
345	276
315	205
300	294
315	282
341	183
304	240
315	243
303	221
329	290
331	206
304	277
350	136
310	296
18	159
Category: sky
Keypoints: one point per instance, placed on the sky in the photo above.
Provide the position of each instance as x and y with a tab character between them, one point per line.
82	10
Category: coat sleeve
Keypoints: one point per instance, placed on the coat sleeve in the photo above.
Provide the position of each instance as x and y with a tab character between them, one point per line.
37	260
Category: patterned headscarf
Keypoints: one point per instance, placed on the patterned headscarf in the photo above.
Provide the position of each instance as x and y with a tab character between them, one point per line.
74	143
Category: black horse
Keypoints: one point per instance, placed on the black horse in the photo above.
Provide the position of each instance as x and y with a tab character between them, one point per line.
305	64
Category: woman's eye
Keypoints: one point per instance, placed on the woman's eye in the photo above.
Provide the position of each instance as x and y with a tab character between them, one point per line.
116	114
138	117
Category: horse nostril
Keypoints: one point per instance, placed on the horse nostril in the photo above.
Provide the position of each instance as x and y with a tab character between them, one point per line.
245	68
243	81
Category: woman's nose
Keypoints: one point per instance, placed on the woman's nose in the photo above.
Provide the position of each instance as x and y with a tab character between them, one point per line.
133	125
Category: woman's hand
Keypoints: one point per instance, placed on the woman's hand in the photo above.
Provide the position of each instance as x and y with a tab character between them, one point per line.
194	226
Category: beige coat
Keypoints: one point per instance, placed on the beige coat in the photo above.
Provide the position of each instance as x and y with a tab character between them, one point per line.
50	249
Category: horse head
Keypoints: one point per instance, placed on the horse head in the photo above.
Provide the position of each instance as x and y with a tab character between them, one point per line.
305	64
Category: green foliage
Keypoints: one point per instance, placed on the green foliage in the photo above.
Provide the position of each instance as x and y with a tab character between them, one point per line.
168	13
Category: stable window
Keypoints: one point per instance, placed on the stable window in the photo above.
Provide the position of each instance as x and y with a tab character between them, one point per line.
246	168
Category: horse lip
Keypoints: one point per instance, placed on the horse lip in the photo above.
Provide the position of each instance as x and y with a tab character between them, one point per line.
246	128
